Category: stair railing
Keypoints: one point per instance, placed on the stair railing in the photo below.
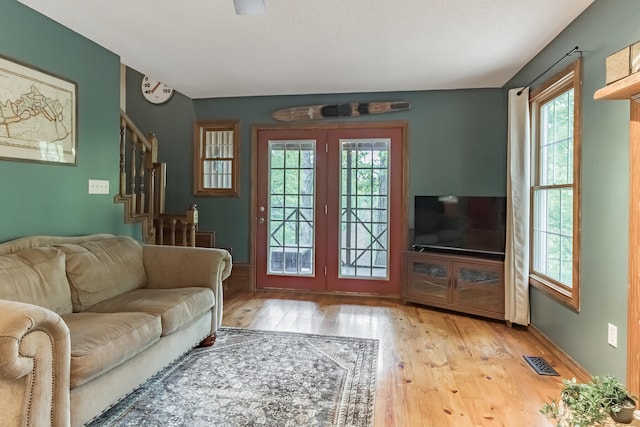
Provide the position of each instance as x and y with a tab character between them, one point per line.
177	230
142	188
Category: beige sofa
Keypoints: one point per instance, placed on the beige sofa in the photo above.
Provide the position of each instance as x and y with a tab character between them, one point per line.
85	320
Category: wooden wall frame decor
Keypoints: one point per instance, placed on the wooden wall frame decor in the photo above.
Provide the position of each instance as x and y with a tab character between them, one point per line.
38	112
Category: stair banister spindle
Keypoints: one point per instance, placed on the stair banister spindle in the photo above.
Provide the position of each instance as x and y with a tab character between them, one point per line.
160	185
142	209
192	234
183	224
149	162
123	172
160	227
173	232
153	149
151	191
132	183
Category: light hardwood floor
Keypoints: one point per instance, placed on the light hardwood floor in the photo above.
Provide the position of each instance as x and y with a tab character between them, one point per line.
435	368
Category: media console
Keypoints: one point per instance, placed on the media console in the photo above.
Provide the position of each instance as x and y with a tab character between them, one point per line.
468	284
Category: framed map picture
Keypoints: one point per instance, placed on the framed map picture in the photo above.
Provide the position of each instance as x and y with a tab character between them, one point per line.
37	115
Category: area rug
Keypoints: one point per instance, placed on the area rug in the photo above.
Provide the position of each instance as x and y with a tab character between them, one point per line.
258	378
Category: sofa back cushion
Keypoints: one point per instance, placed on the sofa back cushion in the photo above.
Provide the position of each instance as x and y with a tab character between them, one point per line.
36	241
36	276
102	269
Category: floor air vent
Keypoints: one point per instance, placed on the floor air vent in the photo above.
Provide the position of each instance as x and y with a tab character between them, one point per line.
540	366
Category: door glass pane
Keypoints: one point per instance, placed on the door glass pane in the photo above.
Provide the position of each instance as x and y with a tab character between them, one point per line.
364	218
291	208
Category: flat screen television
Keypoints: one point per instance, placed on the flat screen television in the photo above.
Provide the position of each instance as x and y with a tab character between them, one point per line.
467	225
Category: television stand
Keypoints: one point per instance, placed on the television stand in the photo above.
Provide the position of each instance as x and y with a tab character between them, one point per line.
468	284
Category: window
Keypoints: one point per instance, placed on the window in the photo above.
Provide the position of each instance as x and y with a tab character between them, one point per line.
555	186
216	158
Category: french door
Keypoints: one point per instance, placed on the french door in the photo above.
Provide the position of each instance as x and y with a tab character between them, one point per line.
330	209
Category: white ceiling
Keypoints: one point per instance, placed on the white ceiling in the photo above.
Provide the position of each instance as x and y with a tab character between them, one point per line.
204	50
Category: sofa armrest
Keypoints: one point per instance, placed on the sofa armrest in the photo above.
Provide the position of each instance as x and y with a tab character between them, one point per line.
183	266
35	354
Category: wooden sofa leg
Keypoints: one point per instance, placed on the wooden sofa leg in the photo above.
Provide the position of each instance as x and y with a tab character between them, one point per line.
208	341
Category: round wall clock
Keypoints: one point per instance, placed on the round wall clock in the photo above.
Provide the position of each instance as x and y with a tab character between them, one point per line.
155	91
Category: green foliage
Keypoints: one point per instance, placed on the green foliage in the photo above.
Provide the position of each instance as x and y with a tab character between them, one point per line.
584	405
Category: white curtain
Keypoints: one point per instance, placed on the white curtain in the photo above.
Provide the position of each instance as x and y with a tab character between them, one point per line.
516	261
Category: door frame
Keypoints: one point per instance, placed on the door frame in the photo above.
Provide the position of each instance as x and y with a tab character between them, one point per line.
633	308
401	125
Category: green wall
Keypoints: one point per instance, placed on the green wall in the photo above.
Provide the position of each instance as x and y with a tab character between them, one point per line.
52	199
172	122
454	138
602	29
457	144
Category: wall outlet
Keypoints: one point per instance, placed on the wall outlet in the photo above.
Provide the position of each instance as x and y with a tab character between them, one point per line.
612	335
98	186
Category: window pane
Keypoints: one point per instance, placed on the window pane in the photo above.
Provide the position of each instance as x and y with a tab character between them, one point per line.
277	156
277	181
292	180
553	234
217	173
219	144
556	140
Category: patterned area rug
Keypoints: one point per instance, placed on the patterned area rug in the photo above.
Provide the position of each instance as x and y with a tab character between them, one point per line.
258	378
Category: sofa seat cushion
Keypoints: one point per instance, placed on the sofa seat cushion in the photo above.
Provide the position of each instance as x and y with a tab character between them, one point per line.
176	307
36	276
100	269
102	341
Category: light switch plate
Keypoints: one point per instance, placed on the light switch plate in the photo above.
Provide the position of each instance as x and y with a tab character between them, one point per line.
98	186
612	335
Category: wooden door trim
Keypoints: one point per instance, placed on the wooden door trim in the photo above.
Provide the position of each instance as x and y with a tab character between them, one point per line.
403	125
633	315
629	88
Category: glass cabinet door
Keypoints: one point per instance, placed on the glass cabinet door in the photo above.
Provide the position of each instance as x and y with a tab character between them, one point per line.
479	286
429	279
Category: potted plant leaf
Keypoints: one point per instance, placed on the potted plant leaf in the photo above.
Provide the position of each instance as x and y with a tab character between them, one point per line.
588	404
617	399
